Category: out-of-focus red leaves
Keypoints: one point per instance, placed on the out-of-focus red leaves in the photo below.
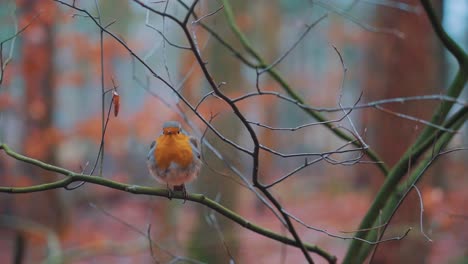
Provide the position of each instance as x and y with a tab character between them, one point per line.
193	80
244	21
6	102
116	102
37	109
72	78
37	140
150	110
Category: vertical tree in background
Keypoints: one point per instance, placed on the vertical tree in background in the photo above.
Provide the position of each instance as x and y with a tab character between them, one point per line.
269	32
39	135
211	183
401	67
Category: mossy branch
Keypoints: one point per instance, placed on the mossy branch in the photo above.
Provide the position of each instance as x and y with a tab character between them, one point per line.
422	143
396	197
71	177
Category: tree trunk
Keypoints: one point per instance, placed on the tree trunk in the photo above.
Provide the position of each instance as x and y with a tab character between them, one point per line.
40	137
401	68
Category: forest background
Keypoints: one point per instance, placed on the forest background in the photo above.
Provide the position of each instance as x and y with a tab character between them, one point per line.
318	120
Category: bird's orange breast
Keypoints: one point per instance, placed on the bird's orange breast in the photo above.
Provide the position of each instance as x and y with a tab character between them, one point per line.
173	148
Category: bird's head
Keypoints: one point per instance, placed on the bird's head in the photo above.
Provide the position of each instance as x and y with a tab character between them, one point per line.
171	128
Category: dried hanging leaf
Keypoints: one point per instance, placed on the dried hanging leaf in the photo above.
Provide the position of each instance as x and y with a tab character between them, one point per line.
116	102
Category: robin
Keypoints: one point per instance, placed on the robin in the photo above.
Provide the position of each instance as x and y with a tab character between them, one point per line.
174	157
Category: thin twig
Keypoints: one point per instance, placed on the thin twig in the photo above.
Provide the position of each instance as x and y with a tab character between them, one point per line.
370	28
101	54
4	63
213	221
301	37
421	204
151	70
196	21
347	238
404	116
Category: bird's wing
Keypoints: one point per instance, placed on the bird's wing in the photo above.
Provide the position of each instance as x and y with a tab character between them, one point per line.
151	151
195	144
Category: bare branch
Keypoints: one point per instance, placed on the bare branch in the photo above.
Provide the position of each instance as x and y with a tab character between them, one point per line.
213	221
396	5
285	54
207	15
347	238
308	154
306	164
370	28
4	63
189	13
421	204
415	119
134	55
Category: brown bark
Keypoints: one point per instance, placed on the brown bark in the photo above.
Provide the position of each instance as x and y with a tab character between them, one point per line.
400	68
40	137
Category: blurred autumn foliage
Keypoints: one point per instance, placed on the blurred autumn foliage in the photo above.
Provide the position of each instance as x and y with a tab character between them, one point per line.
64	79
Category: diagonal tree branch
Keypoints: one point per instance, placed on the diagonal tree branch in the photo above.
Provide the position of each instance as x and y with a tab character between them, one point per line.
424	141
388	197
256	149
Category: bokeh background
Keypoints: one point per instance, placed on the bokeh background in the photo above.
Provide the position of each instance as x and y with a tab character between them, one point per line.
51	109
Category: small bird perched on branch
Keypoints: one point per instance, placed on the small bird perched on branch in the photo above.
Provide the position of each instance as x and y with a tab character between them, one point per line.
174	157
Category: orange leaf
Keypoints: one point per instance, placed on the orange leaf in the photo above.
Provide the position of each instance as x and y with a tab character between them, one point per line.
116	100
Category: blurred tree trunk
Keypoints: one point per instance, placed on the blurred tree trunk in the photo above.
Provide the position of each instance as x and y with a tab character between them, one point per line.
40	137
401	68
206	243
268	32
